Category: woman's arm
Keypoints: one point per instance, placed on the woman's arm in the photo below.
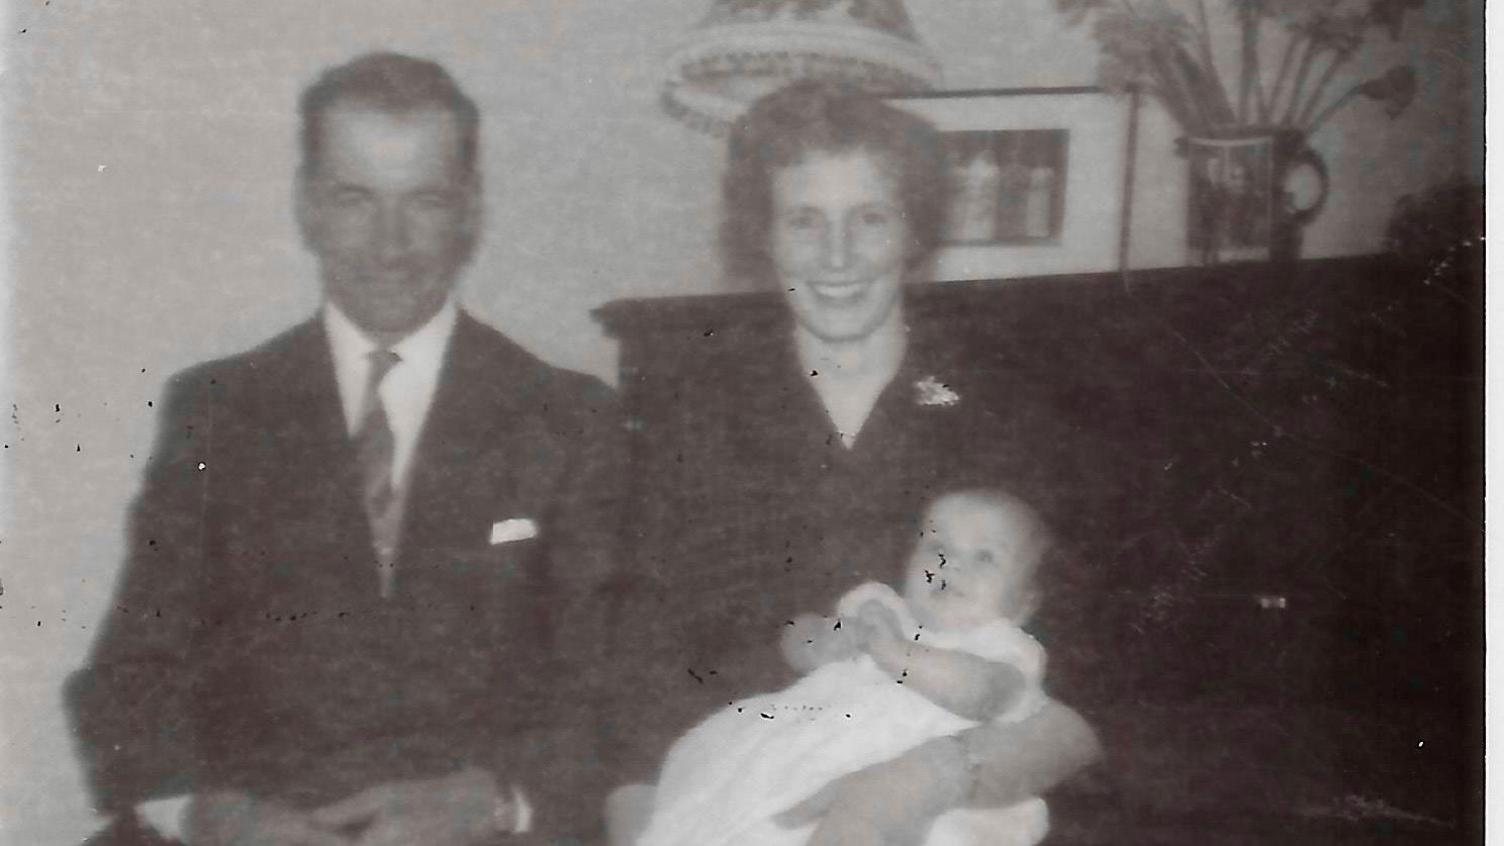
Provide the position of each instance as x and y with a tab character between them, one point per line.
893	802
1014	761
1010	761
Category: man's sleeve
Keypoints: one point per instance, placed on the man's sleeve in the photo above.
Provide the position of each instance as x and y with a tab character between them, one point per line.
131	704
555	757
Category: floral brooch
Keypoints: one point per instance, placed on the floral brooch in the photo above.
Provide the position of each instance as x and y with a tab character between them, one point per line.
932	391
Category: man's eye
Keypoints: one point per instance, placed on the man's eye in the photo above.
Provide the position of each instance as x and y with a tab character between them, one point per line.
348	197
433	201
875	217
985	556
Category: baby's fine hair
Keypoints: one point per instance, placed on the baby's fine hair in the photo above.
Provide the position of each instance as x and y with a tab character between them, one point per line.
1041	537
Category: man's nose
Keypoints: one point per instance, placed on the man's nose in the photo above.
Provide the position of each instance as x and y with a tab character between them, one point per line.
391	233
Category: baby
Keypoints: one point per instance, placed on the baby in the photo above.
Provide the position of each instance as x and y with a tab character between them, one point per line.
889	673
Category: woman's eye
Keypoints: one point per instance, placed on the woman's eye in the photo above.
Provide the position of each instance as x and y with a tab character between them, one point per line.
985	556
875	217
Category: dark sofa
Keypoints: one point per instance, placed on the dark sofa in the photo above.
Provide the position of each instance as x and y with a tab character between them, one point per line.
1273	609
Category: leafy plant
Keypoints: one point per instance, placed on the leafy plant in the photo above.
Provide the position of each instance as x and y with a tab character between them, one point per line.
1165	49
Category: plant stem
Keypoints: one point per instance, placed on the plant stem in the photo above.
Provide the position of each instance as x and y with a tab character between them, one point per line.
1285	64
1338	61
1208	61
1180	89
1311	51
1332	109
1248	58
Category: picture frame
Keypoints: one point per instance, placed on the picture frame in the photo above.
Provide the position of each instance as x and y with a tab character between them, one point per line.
1042	180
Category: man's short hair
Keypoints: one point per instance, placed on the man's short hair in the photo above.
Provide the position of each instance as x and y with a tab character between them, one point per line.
391	83
821	116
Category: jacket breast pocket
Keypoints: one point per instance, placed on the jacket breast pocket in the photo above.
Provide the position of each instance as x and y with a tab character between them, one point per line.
482	587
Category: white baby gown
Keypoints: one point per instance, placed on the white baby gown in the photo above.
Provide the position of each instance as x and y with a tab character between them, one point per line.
724	781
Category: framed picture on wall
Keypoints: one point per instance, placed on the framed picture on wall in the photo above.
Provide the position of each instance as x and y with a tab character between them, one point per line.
1040	180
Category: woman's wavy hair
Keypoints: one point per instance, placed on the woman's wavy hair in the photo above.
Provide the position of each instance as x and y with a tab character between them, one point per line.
816	116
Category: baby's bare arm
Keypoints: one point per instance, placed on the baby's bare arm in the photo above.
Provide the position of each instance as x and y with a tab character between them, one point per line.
959	682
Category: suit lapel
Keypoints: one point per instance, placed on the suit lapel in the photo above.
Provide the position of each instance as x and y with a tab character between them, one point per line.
314	419
466	452
300	482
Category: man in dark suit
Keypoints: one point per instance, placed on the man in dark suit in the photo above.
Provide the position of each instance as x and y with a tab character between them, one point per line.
357	604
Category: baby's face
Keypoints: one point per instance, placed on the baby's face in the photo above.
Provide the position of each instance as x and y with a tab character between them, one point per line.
974	563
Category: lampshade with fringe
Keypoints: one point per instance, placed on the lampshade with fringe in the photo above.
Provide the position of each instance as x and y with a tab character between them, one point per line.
743	49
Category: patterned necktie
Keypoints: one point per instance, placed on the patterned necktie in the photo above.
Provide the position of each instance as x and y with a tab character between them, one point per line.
374	450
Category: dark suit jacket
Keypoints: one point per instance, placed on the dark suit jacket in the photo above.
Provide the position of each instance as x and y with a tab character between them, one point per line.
248	647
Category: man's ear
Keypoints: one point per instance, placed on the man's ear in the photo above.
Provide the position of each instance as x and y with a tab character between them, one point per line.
474	215
302	206
475	208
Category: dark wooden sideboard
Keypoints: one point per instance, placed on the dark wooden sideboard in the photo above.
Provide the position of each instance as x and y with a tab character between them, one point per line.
1275	615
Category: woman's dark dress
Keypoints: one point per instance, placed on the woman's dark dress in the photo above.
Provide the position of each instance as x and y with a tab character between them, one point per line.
752	511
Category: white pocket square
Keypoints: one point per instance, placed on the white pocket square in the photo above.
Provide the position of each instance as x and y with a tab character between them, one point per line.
515	529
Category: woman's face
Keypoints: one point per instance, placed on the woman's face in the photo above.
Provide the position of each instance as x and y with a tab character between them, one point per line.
839	242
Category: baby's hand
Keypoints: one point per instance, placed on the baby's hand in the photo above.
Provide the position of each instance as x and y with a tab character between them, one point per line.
880	635
813	641
879	625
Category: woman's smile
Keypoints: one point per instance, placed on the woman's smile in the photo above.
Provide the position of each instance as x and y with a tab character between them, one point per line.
838	293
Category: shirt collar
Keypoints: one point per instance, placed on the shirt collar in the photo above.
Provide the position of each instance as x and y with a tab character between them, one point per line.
423	347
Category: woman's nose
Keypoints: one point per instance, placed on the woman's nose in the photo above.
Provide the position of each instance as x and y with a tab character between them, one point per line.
837	248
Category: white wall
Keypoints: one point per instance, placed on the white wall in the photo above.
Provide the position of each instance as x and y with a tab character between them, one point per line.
151	151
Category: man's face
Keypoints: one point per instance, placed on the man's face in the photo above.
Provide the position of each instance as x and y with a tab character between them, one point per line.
390	213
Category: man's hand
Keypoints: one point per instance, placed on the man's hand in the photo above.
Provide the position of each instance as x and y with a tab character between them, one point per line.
629	812
891	803
453	810
880	623
227	818
879	633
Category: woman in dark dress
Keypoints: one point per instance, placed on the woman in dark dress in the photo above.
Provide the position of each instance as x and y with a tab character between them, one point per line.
795	467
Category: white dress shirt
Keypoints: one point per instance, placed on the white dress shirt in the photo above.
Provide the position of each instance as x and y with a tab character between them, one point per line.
406	392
